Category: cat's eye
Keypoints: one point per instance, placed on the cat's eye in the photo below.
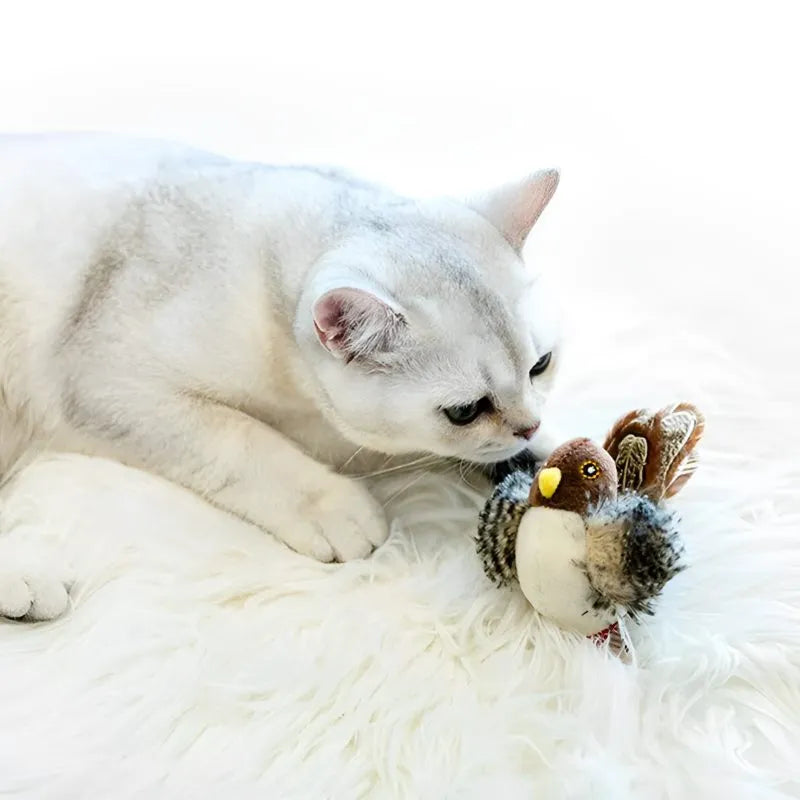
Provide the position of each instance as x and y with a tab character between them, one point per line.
541	365
464	415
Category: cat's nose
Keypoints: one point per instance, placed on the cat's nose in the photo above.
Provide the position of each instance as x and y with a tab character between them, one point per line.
527	433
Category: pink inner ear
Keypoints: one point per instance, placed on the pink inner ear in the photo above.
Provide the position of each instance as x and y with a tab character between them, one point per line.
352	323
343	316
329	322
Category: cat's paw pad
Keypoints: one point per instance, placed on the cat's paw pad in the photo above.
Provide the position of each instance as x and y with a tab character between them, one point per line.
33	597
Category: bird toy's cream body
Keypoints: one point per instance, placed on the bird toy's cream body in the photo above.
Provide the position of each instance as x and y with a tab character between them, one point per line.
551	546
588	538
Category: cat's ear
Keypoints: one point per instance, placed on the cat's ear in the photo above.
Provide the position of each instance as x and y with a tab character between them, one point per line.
355	324
515	207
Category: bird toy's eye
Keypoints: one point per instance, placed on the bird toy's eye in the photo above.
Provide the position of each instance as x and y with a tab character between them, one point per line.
590	470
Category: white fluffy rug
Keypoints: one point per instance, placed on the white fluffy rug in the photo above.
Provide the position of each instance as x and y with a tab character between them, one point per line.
202	660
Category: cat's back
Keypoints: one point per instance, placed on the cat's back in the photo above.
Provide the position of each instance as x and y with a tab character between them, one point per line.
61	193
53	184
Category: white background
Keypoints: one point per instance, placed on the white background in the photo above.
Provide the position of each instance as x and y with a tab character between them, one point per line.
675	125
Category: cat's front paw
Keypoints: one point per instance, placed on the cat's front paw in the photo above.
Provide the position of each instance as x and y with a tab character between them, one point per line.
32	595
338	521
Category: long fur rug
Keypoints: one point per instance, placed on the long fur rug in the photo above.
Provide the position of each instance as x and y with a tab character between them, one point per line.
202	660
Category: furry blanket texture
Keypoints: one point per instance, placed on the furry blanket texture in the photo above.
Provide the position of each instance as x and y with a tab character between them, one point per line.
201	659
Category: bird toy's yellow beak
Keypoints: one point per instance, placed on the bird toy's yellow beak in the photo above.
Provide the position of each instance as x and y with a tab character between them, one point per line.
549	478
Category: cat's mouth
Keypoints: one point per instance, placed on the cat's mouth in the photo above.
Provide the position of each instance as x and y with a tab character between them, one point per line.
494	455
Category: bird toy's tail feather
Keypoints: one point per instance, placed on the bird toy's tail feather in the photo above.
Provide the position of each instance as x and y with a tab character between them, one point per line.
685	425
685	471
655	452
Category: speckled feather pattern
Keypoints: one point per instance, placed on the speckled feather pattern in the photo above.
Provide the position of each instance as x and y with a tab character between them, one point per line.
650	548
498	525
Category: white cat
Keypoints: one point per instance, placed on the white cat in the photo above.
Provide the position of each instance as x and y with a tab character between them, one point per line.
255	333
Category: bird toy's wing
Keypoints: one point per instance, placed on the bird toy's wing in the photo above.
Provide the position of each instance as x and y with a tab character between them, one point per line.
498	526
633	549
655	451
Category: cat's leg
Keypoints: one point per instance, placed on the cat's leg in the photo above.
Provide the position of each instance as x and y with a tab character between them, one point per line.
245	467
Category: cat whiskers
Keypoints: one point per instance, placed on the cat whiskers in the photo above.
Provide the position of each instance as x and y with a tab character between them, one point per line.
423	462
349	461
404	488
466	470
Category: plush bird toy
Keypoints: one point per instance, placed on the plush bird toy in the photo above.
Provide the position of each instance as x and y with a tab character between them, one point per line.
588	537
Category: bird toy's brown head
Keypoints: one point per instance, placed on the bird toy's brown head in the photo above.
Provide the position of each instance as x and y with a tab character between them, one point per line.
578	476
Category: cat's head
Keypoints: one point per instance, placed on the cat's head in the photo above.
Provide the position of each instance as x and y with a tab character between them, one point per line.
426	332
